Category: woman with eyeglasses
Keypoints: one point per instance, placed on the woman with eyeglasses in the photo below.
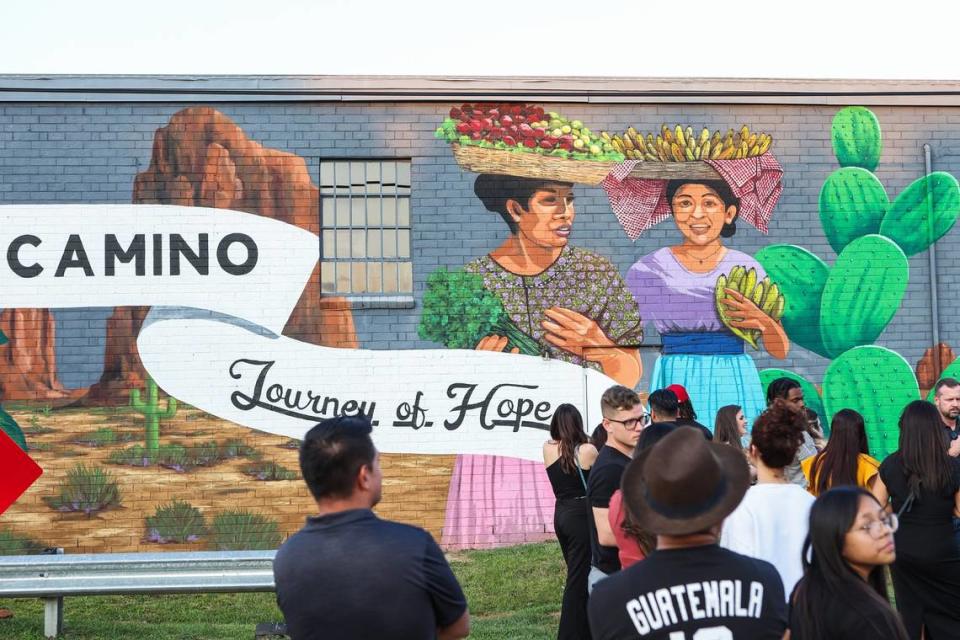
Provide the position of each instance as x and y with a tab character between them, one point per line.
922	483
843	592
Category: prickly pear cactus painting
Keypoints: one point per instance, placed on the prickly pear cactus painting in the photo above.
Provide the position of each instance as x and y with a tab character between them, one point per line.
839	311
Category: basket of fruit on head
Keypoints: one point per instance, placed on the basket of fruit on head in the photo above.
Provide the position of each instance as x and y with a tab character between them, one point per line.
525	140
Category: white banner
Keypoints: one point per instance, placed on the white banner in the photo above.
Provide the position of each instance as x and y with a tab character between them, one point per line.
241	276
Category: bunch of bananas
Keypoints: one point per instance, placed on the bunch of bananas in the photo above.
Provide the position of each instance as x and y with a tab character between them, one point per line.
765	294
684	145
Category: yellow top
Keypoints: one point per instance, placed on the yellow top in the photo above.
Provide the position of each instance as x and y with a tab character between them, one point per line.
867	469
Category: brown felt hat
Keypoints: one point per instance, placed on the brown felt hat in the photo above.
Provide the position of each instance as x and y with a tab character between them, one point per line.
684	484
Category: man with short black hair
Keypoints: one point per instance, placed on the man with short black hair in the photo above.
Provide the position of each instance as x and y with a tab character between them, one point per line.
623	419
946	395
348	574
681	489
665	408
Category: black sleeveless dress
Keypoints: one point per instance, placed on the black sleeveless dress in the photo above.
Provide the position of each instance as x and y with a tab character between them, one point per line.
573	533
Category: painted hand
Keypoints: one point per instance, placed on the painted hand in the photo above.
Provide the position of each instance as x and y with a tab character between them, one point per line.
495	343
743	313
577	334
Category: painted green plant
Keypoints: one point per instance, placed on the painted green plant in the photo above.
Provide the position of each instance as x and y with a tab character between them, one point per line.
244	531
178	521
458	312
86	489
152	414
839	311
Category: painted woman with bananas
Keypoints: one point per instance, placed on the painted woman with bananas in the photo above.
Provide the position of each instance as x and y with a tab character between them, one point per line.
705	329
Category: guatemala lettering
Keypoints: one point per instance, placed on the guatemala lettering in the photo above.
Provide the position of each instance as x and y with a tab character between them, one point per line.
710	599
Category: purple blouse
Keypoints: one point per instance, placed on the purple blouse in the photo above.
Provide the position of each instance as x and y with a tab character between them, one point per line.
676	299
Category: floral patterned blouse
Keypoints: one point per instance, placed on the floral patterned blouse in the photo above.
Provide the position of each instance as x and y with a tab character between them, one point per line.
578	280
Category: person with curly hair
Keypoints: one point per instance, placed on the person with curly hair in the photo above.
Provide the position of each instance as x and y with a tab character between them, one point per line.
772	521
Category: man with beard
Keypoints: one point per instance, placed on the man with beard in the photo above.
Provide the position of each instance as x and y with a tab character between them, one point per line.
946	395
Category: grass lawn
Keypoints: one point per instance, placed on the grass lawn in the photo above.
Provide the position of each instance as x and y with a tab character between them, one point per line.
513	593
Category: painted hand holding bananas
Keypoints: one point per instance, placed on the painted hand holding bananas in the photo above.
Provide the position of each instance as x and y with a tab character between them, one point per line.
764	294
684	145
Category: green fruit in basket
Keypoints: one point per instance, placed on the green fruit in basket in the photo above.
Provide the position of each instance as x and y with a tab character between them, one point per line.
576	124
556	133
594	149
585	131
578	143
566	128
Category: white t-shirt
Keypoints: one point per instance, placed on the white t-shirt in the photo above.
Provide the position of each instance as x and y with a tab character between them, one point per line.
771	524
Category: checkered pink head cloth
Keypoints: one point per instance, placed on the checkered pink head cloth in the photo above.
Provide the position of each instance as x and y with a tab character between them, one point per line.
641	203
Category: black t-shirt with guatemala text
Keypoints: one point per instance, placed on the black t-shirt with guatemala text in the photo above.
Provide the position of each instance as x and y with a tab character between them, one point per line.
605	475
699	593
351	575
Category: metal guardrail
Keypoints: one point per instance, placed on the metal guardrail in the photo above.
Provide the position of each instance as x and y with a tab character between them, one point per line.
51	577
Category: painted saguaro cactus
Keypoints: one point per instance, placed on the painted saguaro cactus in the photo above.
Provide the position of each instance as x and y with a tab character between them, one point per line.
839	311
152	414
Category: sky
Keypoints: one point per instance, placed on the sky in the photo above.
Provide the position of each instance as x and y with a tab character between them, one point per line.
643	38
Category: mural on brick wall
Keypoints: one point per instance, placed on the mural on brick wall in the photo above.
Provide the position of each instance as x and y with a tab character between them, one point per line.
188	439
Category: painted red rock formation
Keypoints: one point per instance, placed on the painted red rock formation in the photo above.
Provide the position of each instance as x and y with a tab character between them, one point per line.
28	363
201	158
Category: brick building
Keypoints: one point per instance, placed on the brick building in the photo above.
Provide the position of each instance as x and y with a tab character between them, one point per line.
356	162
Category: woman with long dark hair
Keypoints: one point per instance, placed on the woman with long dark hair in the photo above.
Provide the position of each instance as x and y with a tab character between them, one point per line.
771	521
922	483
846	458
568	456
843	592
730	428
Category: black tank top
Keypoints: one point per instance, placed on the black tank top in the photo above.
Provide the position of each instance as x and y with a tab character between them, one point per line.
566	485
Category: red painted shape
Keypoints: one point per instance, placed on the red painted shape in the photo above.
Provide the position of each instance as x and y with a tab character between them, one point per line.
17	471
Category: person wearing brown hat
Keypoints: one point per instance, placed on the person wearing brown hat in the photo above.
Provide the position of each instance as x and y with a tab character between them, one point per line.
681	489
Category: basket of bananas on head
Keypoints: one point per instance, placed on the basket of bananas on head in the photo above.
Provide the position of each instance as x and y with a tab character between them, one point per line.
681	151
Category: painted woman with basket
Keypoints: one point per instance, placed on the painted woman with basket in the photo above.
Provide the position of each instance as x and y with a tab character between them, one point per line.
676	286
572	305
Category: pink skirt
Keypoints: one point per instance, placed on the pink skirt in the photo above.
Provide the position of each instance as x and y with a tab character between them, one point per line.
496	501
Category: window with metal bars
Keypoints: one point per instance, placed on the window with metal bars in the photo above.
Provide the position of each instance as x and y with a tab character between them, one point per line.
365	222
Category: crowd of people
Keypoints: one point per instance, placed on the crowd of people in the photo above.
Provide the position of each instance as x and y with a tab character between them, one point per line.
669	529
769	532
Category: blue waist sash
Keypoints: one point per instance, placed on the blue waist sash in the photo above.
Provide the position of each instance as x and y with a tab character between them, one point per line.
702	343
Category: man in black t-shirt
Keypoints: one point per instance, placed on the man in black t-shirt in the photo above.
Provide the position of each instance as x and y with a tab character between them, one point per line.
348	574
623	419
665	408
689	588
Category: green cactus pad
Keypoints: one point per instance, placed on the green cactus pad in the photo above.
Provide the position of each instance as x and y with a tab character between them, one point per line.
811	397
801	277
852	204
856	138
862	293
952	371
878	383
935	199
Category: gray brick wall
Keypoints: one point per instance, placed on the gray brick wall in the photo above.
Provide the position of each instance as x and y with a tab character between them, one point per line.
76	153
